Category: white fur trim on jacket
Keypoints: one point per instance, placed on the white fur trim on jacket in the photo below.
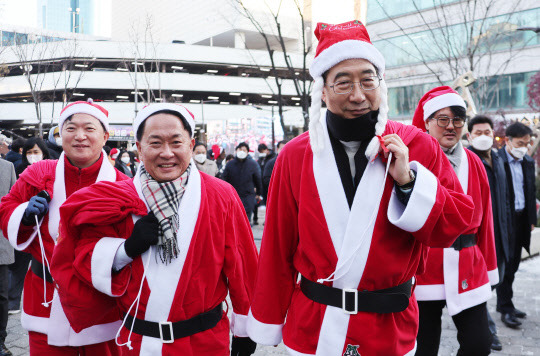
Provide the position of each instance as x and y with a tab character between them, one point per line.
262	333
13	228
414	215
238	324
102	263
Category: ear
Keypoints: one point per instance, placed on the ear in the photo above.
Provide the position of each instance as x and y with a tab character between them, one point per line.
192	144
506	140
323	96
426	123
468	136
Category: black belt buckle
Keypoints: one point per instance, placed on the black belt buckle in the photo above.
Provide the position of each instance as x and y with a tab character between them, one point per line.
349	293
163	331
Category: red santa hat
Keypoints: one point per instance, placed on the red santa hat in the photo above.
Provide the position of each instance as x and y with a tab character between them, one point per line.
433	101
114	153
338	43
84	107
151	109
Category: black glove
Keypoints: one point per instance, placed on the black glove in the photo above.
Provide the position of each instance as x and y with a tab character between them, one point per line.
38	206
145	234
242	346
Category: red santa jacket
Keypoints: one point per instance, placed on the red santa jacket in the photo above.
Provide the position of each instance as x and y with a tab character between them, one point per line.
379	243
217	256
59	178
463	278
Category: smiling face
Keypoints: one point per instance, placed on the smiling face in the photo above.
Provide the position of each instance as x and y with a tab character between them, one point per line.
165	147
447	136
83	138
358	102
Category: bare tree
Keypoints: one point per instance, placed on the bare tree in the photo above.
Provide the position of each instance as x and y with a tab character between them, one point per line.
141	57
34	59
464	40
302	82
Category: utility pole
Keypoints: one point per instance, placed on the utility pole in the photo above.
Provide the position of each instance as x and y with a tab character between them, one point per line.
136	89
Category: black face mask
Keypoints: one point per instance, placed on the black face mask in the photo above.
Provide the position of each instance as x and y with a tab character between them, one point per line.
358	129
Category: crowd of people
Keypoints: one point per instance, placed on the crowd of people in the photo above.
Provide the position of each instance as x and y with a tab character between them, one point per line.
134	252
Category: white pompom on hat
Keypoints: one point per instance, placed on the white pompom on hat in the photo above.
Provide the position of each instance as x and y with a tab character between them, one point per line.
151	109
84	107
338	43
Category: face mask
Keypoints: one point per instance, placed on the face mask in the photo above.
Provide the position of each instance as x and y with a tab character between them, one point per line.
201	157
482	143
519	152
58	141
241	154
262	155
34	158
126	160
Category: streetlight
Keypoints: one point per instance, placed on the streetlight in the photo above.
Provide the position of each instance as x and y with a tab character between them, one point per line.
73	12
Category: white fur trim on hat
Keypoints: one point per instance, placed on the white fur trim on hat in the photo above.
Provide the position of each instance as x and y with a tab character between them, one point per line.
151	109
442	101
344	50
83	108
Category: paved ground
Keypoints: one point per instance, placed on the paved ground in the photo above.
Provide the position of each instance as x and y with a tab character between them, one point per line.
525	341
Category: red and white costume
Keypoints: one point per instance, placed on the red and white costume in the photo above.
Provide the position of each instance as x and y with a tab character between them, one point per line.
217	256
464	278
60	179
310	229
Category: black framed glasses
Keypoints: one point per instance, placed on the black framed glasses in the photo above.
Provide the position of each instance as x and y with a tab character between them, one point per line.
346	86
444	121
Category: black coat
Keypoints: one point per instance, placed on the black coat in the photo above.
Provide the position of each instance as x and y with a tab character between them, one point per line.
500	202
54	150
529	187
267	175
14	157
244	176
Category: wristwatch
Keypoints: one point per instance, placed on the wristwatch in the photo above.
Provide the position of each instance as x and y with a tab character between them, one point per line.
410	184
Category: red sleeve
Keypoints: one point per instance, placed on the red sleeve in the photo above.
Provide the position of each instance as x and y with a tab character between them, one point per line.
437	211
11	210
276	271
240	266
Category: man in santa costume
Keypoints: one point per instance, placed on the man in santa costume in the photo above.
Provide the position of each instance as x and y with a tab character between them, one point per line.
461	275
352	207
166	248
29	218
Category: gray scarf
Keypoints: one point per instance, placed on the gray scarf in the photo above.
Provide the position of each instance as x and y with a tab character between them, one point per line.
454	155
164	200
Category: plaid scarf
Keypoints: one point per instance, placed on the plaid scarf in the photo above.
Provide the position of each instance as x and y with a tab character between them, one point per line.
164	200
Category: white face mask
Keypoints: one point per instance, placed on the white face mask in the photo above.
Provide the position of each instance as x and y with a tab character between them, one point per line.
482	142
201	157
241	154
519	152
58	141
262	155
126	160
34	158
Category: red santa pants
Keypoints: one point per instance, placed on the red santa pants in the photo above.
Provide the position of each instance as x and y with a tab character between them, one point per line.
40	347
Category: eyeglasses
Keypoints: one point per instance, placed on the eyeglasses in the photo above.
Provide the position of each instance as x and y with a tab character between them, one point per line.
444	121
346	86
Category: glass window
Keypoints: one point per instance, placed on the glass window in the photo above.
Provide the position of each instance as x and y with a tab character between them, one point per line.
498	34
8	38
382	9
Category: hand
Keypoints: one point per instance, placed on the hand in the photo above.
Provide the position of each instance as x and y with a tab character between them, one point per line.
145	234
399	167
37	206
242	346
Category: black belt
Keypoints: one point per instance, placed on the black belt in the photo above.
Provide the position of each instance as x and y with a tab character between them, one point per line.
464	241
390	300
169	331
37	268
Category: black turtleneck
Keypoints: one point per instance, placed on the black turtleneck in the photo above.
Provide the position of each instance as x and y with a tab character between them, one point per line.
361	129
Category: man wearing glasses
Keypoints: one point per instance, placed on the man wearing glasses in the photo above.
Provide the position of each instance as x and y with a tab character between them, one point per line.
354	222
461	275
